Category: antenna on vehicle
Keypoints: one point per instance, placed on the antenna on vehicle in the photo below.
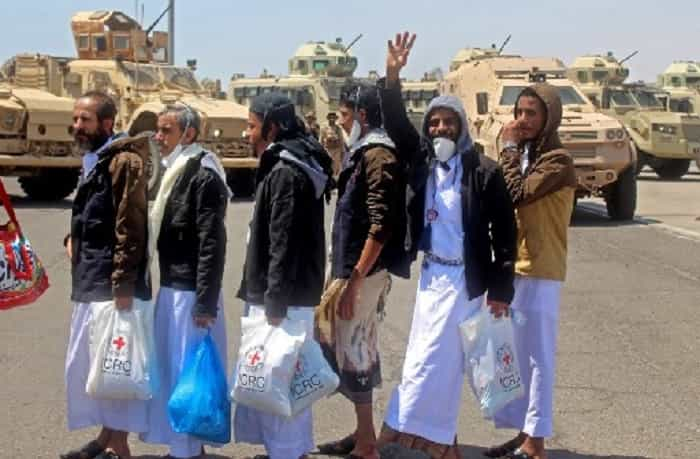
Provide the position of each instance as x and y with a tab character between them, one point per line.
628	57
158	19
352	43
500	50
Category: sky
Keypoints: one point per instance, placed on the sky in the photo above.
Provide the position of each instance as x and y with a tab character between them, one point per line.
231	36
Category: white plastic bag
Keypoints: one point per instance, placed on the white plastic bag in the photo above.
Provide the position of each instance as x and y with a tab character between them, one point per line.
490	361
122	352
313	379
266	364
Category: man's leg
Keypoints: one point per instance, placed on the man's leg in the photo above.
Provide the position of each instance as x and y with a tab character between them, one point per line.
118	443
365	436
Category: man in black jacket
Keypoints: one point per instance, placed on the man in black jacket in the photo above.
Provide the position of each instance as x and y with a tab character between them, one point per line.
284	267
187	229
462	219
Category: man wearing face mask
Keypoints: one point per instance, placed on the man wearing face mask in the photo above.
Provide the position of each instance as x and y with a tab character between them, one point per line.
285	254
462	219
541	179
107	246
368	236
187	230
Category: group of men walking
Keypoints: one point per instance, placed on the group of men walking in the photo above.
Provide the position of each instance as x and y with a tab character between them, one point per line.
491	235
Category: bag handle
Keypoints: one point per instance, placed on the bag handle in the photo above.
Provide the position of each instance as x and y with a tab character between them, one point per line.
8	208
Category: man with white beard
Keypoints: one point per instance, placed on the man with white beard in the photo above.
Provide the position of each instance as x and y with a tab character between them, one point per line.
187	229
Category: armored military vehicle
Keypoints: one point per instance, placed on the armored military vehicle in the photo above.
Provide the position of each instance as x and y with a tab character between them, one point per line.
417	95
117	56
317	73
489	82
36	140
682	82
666	141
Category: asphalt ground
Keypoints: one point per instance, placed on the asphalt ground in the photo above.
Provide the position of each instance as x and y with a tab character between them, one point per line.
628	383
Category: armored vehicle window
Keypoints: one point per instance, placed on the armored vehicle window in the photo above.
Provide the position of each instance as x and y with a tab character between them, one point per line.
647	99
600	75
99	43
320	66
302	67
568	95
145	76
181	78
692	81
622	98
121	42
675	81
681	106
582	76
84	42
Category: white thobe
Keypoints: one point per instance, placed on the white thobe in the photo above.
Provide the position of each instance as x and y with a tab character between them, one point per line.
426	402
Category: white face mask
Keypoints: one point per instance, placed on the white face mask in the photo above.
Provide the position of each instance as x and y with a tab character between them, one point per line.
355	134
444	148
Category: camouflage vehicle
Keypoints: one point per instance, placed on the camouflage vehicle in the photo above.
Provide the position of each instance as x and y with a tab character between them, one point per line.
36	140
317	73
489	82
666	141
117	56
682	82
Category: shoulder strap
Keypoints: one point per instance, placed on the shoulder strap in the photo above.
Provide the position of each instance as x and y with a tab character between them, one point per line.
8	207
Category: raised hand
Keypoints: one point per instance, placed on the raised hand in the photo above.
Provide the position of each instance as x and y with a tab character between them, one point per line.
397	54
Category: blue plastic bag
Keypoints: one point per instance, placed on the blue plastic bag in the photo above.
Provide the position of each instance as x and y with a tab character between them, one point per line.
199	405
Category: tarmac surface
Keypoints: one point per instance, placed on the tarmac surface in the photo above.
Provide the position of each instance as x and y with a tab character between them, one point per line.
628	383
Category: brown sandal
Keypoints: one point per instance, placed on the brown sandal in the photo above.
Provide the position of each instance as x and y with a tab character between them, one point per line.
89	451
503	450
341	447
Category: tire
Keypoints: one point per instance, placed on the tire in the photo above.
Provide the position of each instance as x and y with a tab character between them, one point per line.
643	159
50	184
241	182
671	169
621	196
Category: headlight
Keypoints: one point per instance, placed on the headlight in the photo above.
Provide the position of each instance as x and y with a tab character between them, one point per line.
612	134
664	129
217	133
8	121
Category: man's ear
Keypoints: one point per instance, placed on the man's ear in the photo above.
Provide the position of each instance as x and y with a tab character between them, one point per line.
107	125
272	132
190	135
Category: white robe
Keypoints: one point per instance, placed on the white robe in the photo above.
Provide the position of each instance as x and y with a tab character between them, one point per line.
426	402
536	344
283	438
175	334
83	411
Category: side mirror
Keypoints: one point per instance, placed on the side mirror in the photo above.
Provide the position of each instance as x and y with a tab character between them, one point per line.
482	103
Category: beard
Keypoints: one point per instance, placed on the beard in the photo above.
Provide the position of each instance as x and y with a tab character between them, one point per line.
91	141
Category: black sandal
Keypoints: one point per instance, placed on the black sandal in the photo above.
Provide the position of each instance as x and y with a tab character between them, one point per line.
506	448
519	454
340	447
108	455
88	451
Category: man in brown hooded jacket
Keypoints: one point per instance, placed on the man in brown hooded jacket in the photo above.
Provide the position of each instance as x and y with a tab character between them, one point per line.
541	179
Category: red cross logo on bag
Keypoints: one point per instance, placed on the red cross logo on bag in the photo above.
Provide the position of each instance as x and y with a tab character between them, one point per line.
504	355
255	358
119	343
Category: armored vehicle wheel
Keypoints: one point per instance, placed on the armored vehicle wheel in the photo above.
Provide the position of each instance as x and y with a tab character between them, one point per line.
50	184
643	159
621	196
671	169
241	182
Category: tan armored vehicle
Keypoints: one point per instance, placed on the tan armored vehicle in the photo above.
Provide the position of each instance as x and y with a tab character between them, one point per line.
417	95
317	73
36	141
489	83
117	56
666	141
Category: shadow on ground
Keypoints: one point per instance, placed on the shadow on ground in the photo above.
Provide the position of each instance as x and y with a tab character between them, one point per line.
475	452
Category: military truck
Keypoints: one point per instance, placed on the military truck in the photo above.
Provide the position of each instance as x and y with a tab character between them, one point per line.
117	56
489	82
36	140
665	141
317	73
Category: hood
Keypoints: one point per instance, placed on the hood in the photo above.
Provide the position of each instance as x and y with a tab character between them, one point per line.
548	140
464	141
376	136
138	144
304	152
